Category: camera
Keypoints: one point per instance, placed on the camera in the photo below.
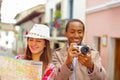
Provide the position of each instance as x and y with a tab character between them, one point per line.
84	49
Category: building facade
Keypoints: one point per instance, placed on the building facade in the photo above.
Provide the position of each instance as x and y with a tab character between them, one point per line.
102	21
58	12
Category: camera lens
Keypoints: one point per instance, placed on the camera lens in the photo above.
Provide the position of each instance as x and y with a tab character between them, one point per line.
85	49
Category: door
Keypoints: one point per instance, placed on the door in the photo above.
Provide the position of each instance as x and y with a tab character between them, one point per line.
117	60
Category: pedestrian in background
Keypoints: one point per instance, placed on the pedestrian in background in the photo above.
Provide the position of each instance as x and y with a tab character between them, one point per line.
88	66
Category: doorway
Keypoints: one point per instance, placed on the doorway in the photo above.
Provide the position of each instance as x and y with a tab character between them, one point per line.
117	60
97	43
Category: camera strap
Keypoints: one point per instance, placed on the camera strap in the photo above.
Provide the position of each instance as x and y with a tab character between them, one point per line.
74	65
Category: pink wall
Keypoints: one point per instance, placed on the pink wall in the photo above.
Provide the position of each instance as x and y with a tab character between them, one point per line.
104	22
92	3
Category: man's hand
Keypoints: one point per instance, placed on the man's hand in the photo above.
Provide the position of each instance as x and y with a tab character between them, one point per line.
86	60
72	52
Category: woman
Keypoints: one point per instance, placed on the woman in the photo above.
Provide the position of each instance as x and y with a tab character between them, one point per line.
38	49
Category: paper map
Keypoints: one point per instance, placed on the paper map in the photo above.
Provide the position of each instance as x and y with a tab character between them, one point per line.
12	69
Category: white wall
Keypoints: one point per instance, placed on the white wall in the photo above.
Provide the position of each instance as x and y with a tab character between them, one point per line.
79	8
10	38
65	9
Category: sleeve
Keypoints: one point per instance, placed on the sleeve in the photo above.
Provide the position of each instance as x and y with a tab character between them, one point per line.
99	72
63	72
19	57
50	73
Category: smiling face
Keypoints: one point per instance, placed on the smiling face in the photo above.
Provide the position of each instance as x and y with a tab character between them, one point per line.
75	32
35	45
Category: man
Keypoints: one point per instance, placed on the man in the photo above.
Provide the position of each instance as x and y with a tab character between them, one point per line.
88	66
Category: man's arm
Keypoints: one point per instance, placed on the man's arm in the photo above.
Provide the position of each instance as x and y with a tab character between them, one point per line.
63	72
98	73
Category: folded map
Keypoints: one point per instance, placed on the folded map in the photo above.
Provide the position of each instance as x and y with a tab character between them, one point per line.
15	69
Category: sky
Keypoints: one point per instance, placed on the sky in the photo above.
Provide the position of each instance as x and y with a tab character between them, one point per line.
10	8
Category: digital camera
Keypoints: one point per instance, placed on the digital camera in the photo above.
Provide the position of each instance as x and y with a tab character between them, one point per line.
84	49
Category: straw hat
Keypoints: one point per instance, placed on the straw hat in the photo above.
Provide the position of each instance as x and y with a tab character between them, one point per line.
39	31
